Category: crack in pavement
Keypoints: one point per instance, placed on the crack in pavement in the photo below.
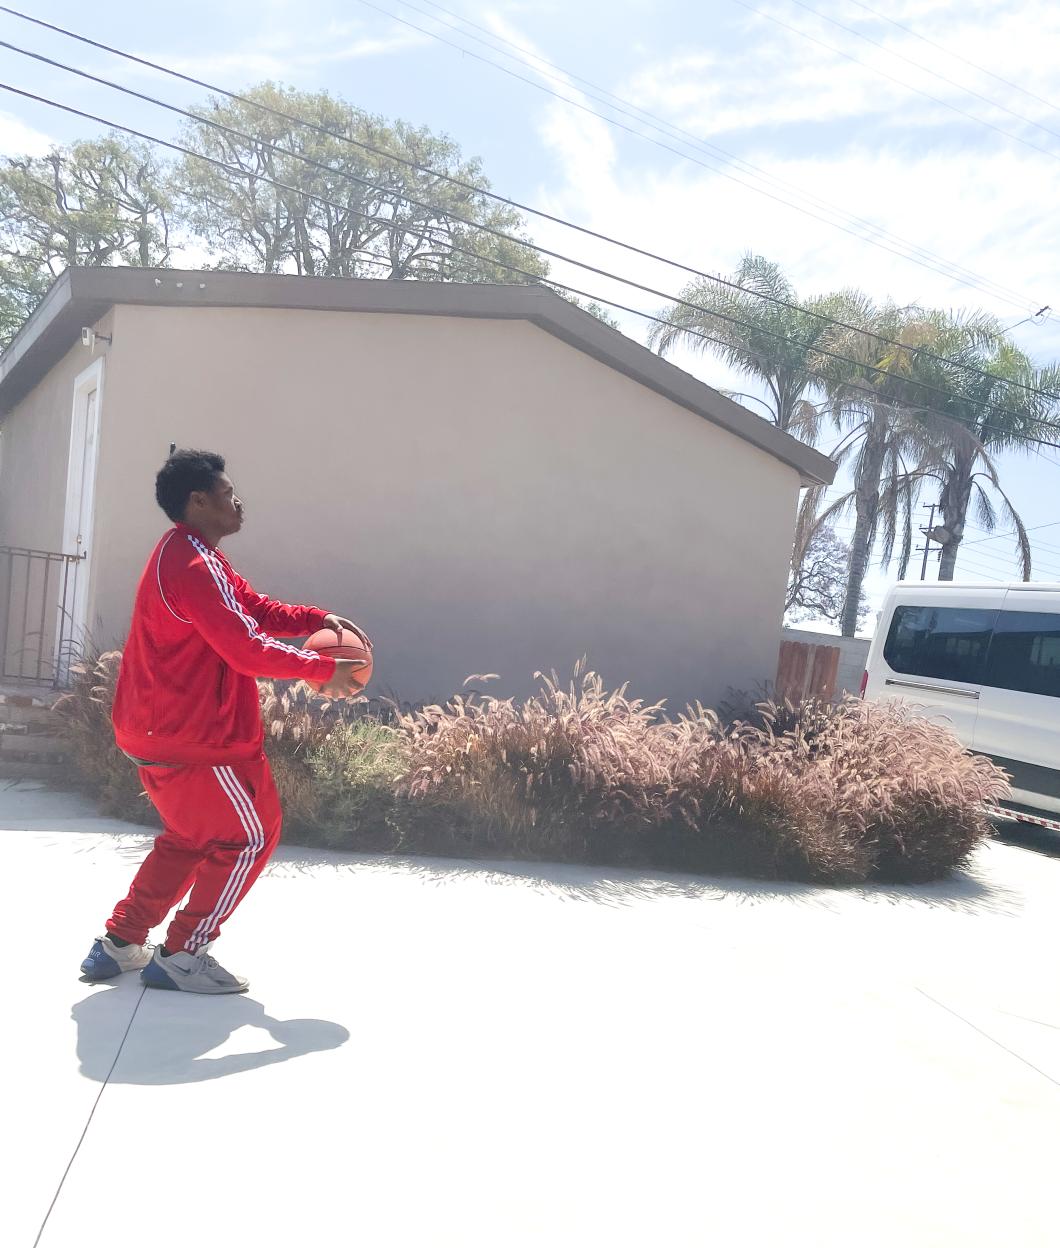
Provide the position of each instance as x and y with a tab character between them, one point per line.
91	1114
1011	1052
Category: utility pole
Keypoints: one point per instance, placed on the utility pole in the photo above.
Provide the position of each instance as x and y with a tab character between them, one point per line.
927	540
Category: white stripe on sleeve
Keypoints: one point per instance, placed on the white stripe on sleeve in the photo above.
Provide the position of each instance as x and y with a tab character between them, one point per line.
228	596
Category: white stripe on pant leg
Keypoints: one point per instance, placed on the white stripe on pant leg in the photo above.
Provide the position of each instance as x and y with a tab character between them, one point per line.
246	801
195	939
248	804
241	797
226	903
256	841
239	868
249	816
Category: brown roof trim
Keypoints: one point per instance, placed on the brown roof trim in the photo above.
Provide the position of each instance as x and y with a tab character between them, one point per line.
81	296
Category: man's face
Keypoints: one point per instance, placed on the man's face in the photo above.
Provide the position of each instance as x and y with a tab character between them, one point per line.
217	512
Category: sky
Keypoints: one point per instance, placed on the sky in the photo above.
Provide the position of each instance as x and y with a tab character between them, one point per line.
910	148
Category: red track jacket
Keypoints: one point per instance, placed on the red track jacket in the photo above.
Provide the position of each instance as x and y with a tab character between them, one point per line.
199	636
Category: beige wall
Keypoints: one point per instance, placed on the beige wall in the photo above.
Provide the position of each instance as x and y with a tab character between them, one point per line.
479	495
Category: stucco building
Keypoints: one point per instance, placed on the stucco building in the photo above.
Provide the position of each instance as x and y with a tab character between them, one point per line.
486	477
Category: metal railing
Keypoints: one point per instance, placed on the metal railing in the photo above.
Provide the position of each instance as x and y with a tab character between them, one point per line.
37	589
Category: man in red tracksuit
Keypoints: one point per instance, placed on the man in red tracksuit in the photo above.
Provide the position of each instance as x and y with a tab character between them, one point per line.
186	711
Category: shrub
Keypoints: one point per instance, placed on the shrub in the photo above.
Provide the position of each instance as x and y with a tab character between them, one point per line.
840	792
919	792
84	713
828	793
337	765
835	793
541	776
353	773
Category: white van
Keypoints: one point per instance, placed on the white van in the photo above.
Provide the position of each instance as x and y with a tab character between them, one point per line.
987	660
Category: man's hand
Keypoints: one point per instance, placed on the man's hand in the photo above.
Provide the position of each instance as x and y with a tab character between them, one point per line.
336	623
345	683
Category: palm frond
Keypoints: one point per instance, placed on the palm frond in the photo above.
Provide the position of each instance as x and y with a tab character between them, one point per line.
1023	542
888	506
809	522
906	553
806	420
984	510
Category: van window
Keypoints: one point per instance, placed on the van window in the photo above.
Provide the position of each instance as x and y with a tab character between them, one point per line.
1025	653
943	643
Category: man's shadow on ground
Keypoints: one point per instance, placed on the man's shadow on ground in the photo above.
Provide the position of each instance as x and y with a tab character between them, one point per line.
172	1032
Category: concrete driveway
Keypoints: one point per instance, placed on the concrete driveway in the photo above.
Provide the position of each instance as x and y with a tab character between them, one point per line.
443	1053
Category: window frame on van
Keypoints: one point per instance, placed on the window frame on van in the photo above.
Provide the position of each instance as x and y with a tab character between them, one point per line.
1039	635
964	678
980	674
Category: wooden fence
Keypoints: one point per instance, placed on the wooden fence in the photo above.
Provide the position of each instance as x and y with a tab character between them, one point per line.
806	671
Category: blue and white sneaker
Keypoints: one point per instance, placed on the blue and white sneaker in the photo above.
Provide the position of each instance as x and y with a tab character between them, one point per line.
106	959
191	972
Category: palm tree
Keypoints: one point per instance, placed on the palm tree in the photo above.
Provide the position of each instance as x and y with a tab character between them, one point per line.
878	394
910	413
995	404
770	342
791	351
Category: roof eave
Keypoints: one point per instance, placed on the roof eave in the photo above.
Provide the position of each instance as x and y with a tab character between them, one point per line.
82	295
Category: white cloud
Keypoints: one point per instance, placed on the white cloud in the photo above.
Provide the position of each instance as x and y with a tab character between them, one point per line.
986	210
780	77
18	139
976	204
576	137
833	130
955	197
280	56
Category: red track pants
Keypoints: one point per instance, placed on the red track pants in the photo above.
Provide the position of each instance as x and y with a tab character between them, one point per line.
219	826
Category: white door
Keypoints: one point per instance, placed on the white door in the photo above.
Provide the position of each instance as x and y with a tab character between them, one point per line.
80	510
1019	705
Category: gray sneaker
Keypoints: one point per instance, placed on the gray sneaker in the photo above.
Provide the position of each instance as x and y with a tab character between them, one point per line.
106	959
191	972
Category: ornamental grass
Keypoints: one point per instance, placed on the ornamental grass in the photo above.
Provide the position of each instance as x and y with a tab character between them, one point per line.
827	793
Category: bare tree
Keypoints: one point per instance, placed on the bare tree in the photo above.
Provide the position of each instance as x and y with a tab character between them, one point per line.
818	582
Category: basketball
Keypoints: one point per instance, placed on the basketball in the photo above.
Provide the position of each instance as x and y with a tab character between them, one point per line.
349	646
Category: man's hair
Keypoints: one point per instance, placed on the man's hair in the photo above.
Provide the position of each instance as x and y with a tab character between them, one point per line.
181	475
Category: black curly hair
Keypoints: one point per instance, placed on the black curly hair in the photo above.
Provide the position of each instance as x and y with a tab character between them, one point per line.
181	475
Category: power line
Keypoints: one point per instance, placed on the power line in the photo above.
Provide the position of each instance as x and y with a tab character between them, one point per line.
1051	551
1015	578
993	553
666	147
1045	151
917	351
852	387
984	569
670	129
1045	565
986	576
986	405
1036	317
924	69
997	536
1008	560
956	55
